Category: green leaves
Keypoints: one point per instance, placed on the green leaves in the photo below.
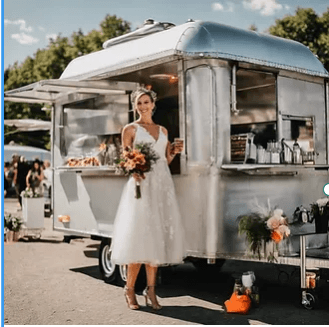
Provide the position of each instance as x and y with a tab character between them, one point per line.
254	227
307	28
13	223
49	63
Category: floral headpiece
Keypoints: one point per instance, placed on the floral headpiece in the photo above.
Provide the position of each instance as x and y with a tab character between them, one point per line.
141	91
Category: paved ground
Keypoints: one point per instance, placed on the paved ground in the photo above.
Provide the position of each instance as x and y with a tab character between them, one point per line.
49	282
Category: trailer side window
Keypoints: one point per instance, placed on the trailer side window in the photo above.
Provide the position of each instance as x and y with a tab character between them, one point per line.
92	129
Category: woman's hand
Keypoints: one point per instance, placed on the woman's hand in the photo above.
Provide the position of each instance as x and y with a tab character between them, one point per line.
176	148
138	178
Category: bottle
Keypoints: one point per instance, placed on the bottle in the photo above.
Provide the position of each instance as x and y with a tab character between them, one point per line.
275	157
260	154
296	153
252	151
268	152
237	287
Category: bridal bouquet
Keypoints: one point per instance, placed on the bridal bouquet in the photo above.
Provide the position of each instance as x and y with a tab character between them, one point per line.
139	160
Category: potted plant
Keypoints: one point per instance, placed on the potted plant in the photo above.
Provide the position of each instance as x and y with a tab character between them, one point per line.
320	214
263	227
13	226
33	208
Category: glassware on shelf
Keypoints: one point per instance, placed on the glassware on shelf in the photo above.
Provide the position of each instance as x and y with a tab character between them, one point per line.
260	154
275	154
296	154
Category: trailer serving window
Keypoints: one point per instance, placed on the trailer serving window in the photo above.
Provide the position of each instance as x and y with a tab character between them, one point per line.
162	79
253	115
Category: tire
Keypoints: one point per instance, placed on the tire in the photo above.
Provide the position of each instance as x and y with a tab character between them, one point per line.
309	300
122	275
108	270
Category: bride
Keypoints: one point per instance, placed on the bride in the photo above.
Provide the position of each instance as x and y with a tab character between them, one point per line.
148	230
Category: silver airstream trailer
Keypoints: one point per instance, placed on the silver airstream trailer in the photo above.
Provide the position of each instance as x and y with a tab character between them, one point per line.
252	109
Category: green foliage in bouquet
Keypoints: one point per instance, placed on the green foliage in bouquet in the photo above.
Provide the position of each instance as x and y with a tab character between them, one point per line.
13	223
255	228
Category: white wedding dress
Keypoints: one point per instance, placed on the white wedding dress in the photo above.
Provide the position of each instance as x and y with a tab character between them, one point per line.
149	229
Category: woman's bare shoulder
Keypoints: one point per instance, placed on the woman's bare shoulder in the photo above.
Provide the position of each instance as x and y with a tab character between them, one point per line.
129	128
164	130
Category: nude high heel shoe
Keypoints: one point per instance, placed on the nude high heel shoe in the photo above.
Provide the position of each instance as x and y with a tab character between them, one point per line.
131	299
154	305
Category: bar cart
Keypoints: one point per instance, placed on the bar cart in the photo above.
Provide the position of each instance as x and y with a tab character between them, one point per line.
308	284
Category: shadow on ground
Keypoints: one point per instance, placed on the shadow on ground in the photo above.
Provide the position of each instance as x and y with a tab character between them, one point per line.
39	240
279	293
91	271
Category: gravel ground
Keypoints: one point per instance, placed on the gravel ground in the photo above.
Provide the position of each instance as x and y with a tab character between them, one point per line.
48	282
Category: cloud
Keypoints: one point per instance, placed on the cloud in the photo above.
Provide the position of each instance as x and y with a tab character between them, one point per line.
266	7
51	36
217	6
41	28
21	23
25	39
286	7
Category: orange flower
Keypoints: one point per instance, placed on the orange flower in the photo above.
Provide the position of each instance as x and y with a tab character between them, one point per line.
102	146
140	159
276	236
130	164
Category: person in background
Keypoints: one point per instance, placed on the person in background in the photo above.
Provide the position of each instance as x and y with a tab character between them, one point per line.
48	176
8	178
5	185
35	177
20	172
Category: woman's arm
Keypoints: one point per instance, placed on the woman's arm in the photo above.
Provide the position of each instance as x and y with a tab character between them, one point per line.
27	178
41	176
128	136
170	154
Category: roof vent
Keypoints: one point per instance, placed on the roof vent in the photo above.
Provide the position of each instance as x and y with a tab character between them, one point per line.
149	21
149	27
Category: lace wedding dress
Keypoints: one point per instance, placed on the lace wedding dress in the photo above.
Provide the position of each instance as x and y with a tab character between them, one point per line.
149	229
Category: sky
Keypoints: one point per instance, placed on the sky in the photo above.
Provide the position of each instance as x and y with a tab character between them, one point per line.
28	24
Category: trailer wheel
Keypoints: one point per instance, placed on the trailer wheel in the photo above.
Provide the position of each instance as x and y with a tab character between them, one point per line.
309	300
108	270
122	275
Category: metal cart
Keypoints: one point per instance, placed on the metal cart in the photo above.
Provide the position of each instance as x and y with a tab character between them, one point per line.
309	296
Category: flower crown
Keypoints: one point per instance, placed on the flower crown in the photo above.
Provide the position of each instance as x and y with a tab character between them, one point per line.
140	91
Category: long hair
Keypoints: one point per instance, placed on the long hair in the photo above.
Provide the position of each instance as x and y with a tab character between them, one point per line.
33	169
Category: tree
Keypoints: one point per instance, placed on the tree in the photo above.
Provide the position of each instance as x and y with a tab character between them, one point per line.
253	27
307	28
49	63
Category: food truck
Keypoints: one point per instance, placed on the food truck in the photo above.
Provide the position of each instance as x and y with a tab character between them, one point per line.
252	109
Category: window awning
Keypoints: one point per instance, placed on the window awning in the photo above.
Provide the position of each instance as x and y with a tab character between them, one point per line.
50	91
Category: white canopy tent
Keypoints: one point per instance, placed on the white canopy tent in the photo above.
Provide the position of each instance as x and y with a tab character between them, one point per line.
28	125
29	152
